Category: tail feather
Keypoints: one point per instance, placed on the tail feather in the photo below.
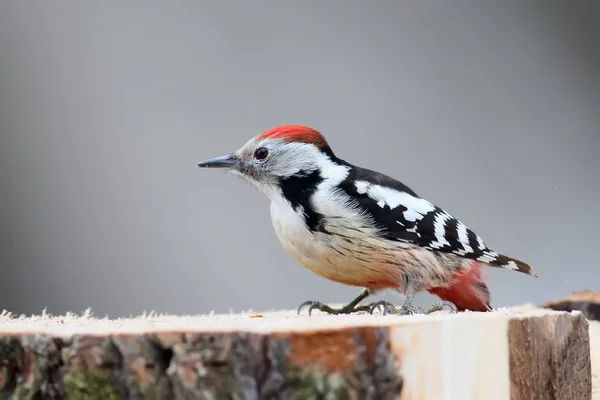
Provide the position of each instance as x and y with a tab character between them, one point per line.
503	261
467	291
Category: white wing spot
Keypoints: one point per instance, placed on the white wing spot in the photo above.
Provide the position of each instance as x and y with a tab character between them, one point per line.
361	187
512	265
416	207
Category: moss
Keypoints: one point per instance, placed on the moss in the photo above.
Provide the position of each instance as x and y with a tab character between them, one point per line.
81	384
313	383
21	392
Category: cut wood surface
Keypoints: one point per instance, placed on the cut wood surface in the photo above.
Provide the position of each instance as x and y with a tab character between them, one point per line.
516	354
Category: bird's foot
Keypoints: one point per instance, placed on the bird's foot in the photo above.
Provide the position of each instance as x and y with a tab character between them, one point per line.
409	309
347	309
389	308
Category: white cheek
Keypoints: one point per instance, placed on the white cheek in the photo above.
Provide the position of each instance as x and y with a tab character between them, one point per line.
264	186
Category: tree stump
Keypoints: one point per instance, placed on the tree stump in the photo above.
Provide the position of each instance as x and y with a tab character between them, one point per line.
519	354
588	302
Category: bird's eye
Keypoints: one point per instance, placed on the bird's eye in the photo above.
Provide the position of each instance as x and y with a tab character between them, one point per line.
261	153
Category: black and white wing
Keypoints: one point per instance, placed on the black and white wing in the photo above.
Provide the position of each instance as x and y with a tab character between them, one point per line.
403	216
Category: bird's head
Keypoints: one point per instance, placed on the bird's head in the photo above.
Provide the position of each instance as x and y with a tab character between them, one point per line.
278	154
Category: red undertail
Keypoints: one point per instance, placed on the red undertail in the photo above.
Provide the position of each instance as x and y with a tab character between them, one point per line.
467	291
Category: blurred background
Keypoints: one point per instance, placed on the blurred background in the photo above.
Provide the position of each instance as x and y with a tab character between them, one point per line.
488	109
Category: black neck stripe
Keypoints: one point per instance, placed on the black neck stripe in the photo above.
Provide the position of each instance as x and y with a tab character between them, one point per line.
298	190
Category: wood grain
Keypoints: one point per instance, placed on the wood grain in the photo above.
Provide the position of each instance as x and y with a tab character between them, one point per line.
550	358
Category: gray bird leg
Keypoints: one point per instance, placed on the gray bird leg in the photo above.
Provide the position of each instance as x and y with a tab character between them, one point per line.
349	308
407	308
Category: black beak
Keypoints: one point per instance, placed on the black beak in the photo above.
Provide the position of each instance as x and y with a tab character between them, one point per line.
228	161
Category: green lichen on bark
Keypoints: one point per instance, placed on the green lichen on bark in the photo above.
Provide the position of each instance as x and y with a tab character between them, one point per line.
315	383
82	384
91	364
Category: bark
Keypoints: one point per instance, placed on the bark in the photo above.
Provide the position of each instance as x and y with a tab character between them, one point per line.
587	302
532	354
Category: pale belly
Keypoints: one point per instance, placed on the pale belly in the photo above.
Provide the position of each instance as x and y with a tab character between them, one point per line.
356	257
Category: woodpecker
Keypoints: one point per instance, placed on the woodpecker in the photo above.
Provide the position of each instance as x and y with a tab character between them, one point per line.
361	228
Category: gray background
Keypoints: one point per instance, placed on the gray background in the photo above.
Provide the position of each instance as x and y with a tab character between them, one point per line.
489	109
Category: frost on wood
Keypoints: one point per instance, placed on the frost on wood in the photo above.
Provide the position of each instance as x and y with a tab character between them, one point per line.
281	356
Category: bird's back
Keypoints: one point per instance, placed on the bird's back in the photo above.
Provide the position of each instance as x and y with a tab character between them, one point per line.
405	217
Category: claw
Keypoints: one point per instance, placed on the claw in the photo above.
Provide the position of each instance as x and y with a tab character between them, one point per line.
312	305
306	303
378	304
452	306
387	307
316	305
